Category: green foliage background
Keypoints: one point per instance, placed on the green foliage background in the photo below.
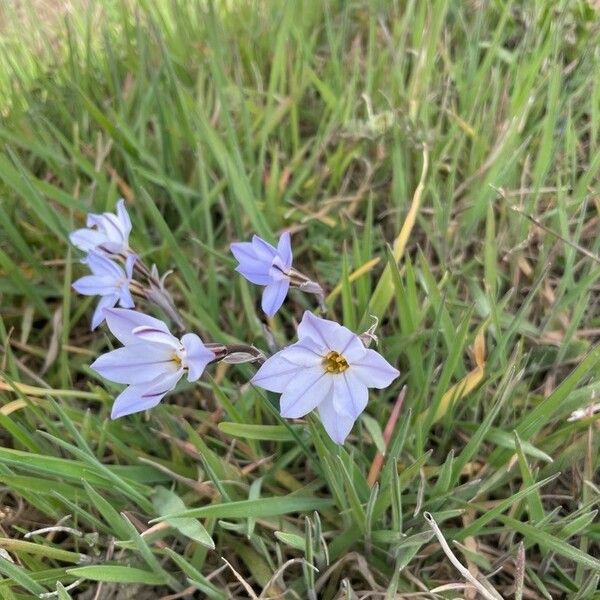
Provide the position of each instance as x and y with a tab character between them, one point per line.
216	120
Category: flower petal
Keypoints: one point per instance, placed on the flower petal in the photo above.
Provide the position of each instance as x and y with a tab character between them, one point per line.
350	394
305	392
156	335
129	264
337	424
100	264
95	285
125	298
284	249
328	334
136	398
273	296
263	250
243	251
112	227
124	219
197	356
254	272
86	239
138	363
275	374
104	303
303	354
374	371
122	322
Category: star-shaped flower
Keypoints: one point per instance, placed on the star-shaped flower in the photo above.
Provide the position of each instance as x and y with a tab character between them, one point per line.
107	280
263	264
151	361
329	369
107	232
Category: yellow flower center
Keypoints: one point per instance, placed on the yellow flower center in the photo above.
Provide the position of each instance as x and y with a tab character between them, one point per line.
334	362
176	359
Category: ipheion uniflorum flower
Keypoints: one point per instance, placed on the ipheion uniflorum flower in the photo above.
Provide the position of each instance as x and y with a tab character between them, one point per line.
106	232
328	369
263	264
109	281
151	361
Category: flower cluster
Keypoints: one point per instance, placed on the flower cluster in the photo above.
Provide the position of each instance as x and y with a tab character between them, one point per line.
106	238
329	369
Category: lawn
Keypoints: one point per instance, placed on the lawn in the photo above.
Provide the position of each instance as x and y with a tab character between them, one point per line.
437	164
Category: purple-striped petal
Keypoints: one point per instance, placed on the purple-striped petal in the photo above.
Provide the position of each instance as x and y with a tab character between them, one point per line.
124	219
330	335
305	392
100	264
138	363
337	424
137	398
276	373
304	353
122	322
95	285
86	239
350	394
156	335
373	370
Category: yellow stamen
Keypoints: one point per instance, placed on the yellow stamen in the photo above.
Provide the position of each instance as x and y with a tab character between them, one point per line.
334	362
176	359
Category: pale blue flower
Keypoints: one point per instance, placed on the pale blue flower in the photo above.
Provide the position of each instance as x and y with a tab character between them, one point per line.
151	361
107	232
263	264
107	280
329	369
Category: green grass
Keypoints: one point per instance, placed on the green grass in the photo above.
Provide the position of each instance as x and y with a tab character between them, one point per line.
218	120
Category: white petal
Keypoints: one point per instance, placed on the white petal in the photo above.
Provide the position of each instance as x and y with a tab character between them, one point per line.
136	398
112	227
101	265
104	302
275	374
122	322
350	394
129	264
197	356
139	363
125	298
303	354
373	370
156	336
95	285
273	296
86	239
329	334
337	424
124	219
305	392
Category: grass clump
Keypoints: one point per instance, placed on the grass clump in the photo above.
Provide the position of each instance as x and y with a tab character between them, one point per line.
395	140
